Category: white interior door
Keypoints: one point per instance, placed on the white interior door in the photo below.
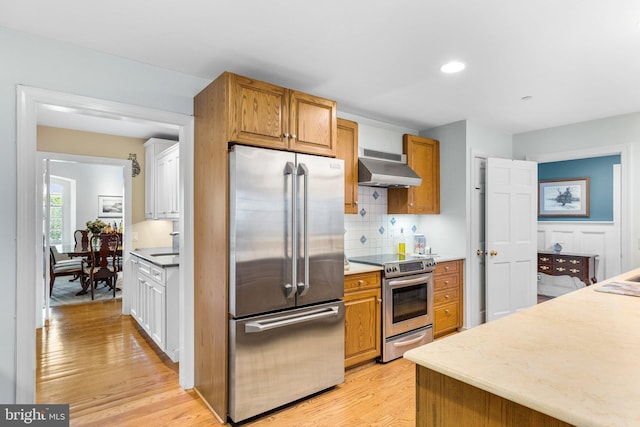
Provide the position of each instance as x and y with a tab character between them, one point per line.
474	291
511	236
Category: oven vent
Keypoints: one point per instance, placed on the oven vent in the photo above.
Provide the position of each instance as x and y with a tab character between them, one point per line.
380	169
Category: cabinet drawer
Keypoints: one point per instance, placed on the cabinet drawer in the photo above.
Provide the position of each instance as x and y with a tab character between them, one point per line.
545	259
356	282
446	296
544	268
568	270
568	261
154	272
447	267
446	317
445	281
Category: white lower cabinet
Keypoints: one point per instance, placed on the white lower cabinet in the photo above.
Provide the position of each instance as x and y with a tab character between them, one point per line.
154	304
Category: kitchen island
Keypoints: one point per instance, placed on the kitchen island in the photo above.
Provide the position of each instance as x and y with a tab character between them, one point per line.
572	360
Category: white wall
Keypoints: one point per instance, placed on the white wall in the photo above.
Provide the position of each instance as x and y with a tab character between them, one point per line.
37	62
91	181
446	233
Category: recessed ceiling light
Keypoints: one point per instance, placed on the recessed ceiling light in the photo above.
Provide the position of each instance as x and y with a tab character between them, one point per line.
452	67
526	98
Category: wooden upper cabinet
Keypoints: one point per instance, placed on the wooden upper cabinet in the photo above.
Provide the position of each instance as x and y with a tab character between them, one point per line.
312	124
423	156
347	150
271	116
259	113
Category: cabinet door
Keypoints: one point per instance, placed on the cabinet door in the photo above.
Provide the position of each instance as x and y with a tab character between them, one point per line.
149	183
347	150
134	287
259	113
312	124
362	326
423	156
175	211
156	314
153	147
162	181
167	184
141	297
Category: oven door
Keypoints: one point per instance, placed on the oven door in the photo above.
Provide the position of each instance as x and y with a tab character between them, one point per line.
407	303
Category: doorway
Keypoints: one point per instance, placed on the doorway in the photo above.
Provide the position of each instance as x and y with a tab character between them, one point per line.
32	104
87	179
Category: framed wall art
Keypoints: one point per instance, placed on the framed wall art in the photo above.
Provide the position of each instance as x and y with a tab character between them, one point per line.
563	197
109	206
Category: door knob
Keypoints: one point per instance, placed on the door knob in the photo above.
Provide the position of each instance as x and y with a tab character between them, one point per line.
493	253
479	252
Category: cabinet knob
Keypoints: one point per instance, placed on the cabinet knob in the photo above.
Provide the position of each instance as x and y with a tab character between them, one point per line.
446	296
411	204
446	312
446	282
446	268
293	136
360	282
355	203
286	135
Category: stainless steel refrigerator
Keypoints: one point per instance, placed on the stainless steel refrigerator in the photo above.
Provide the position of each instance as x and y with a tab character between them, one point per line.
286	278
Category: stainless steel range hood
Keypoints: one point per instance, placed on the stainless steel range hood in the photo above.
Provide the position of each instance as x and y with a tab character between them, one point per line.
379	169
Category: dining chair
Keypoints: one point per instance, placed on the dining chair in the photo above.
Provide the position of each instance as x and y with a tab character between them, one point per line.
103	262
82	238
59	265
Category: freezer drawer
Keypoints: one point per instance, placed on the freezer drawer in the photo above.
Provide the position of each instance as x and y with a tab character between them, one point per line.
279	358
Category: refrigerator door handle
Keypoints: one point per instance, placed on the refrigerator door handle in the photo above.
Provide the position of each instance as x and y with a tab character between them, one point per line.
283	321
303	287
291	288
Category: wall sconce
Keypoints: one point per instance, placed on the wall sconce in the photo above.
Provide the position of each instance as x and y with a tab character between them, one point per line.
135	166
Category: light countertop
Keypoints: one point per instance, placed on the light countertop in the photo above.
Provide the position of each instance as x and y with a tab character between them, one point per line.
162	257
355	268
574	357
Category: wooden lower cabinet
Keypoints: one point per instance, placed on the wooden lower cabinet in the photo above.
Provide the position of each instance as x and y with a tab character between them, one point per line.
447	297
362	301
445	401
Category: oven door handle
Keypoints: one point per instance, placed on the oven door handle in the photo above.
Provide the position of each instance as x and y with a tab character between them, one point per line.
408	282
409	342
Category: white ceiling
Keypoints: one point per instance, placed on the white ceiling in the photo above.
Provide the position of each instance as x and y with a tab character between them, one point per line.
578	59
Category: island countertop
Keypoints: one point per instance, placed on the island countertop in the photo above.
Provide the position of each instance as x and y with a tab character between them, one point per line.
574	357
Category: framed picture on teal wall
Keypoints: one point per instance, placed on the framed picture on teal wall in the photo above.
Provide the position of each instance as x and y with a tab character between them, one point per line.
563	197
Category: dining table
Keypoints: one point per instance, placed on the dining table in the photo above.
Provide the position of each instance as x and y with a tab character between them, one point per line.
82	251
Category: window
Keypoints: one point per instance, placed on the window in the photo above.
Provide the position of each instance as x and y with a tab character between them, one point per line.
57	197
62	207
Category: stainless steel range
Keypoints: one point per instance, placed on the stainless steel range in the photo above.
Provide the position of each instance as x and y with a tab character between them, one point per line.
407	301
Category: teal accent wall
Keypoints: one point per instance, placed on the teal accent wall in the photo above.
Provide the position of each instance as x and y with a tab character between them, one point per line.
600	172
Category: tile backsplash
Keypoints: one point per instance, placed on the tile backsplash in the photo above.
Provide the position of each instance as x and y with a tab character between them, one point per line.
372	231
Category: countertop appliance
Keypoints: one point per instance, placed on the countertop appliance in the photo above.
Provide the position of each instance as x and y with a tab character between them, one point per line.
286	278
407	301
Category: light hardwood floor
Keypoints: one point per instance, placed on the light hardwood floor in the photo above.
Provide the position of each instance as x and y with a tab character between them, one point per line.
97	360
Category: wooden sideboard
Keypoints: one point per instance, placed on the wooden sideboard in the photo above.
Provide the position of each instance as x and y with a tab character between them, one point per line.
582	266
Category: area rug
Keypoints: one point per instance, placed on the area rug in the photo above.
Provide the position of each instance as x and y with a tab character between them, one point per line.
64	292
